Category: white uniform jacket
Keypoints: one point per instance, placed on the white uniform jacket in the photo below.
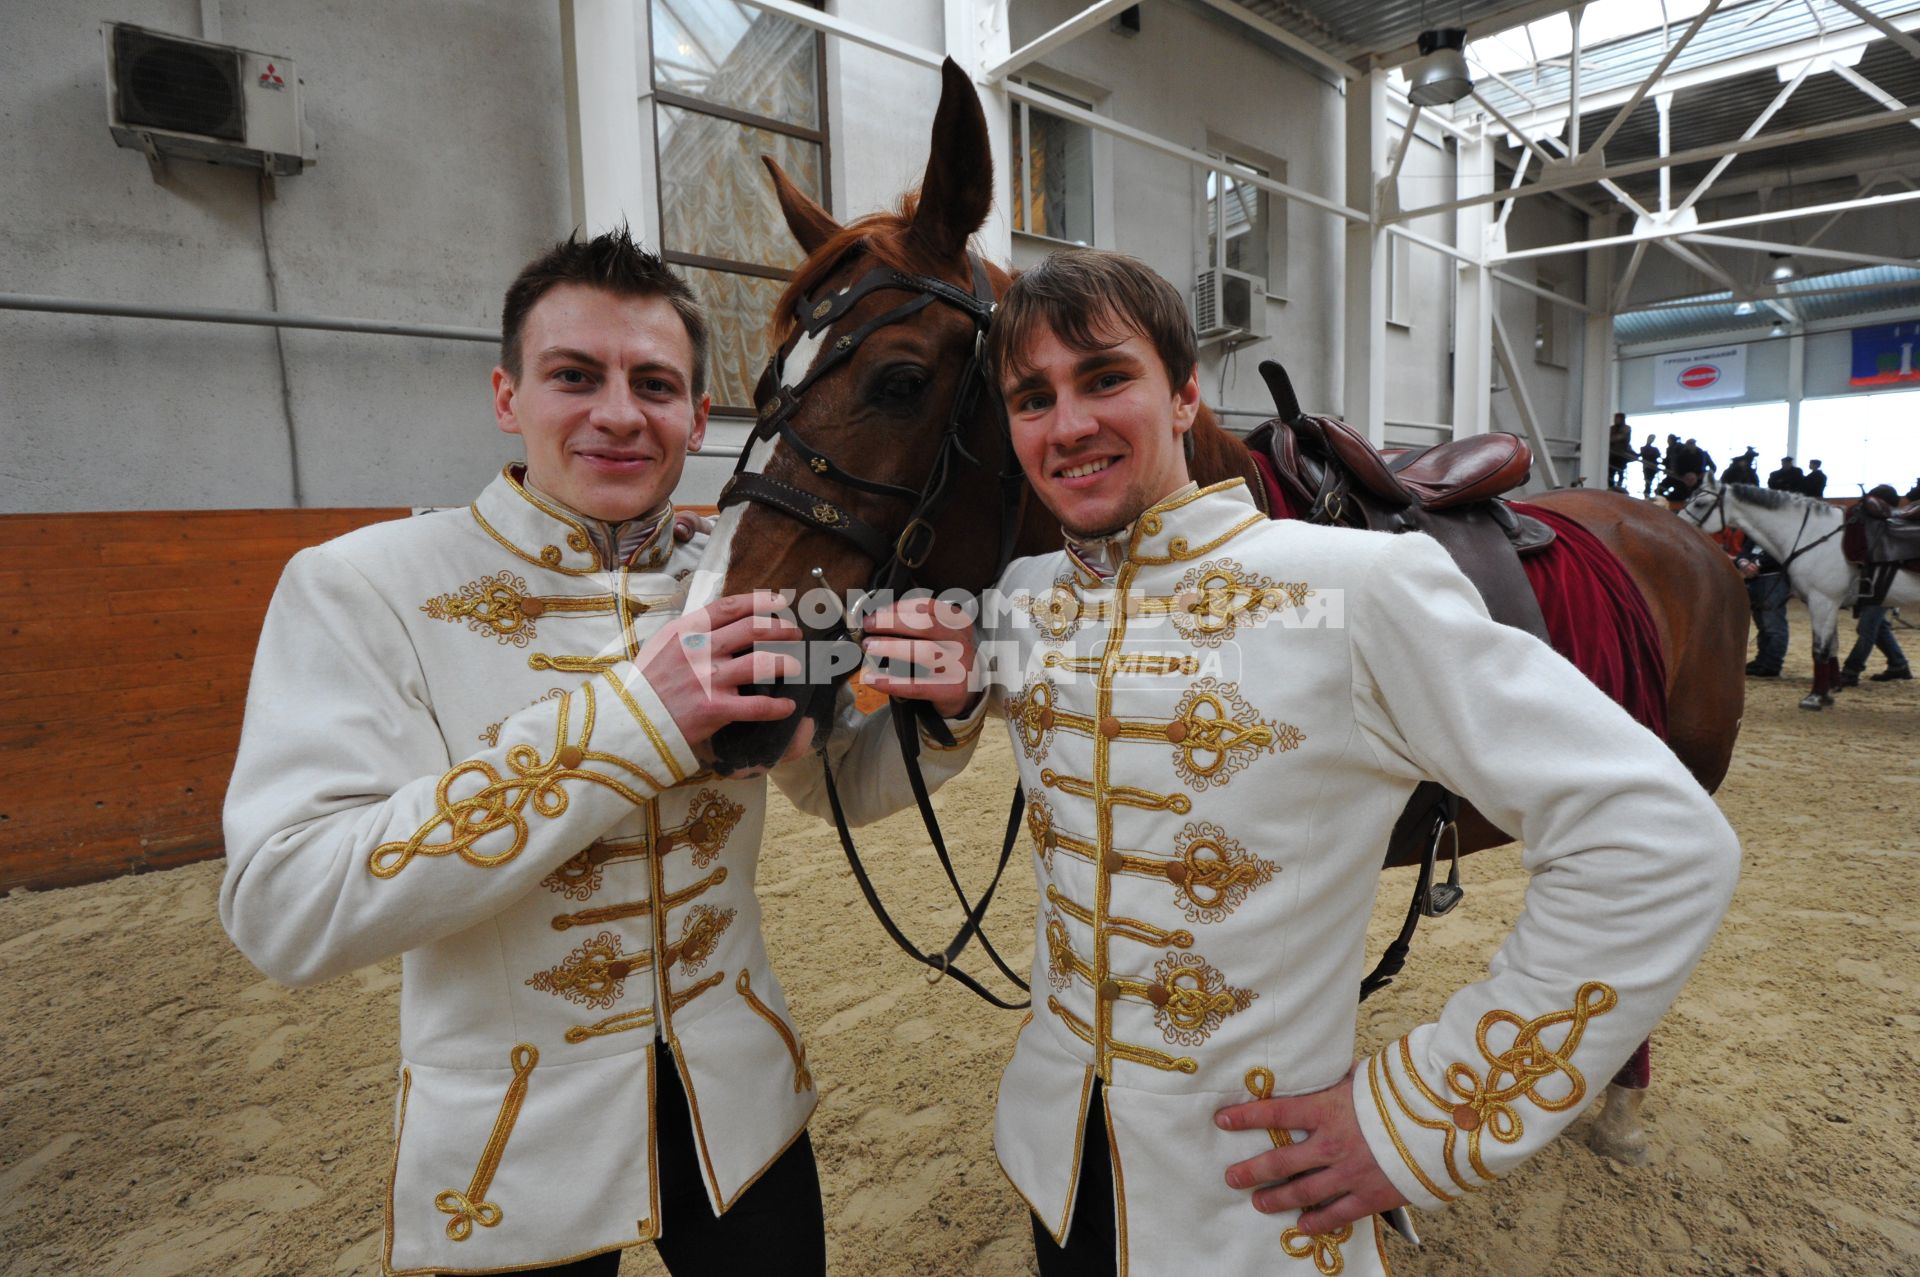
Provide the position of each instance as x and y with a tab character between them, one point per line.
448	754
1214	748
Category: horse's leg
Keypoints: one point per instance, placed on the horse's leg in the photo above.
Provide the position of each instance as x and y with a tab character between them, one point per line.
1618	1133
1824	615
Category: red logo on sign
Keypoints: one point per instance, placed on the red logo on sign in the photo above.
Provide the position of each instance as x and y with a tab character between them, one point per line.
1699	377
270	78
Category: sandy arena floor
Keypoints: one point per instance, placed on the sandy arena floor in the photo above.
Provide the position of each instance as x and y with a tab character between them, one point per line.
165	1110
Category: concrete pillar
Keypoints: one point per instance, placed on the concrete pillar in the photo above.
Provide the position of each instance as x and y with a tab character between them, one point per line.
1473	293
1596	358
1364	314
977	38
607	62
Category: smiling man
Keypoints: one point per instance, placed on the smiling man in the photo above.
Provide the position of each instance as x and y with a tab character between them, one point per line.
475	739
1217	719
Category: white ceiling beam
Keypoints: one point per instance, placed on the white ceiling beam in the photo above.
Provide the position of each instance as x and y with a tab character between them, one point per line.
1528	286
1759	122
1726	223
1519	175
1523	400
1873	19
1653	78
1067	32
1280	35
1060	106
1626	281
1871	89
1766	59
1802	250
1765	141
853	31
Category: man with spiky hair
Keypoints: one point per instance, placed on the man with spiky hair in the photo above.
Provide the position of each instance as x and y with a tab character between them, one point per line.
475	739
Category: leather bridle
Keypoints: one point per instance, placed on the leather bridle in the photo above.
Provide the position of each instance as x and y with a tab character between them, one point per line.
895	557
1793	552
776	404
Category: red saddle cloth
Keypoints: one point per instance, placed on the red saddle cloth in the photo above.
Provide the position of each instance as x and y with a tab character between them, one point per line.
1595	614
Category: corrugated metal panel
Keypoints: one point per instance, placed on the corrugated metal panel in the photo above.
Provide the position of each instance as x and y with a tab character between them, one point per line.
1875	288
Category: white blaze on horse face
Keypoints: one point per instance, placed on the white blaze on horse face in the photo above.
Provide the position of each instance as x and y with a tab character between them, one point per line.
709	579
802	358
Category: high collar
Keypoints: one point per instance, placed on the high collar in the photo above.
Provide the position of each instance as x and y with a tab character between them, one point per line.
1101	557
1183	525
552	535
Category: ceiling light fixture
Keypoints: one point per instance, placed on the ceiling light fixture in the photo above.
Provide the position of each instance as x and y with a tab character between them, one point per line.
1441	76
1744	308
1784	268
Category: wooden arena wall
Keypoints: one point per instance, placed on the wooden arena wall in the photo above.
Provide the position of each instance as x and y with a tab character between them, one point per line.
123	673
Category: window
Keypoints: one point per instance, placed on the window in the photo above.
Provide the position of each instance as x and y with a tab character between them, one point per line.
1052	174
1246	225
1237	218
732	83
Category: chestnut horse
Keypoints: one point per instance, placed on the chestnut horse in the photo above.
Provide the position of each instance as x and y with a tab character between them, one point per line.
875	397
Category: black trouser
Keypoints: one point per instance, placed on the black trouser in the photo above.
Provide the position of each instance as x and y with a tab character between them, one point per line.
776	1229
1091	1249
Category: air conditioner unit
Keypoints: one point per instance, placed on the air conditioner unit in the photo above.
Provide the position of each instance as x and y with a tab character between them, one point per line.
168	95
1229	304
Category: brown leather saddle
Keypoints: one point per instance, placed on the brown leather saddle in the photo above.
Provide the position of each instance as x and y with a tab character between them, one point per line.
1452	493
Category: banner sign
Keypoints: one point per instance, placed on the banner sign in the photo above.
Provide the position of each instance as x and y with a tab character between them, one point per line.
1700	376
1885	355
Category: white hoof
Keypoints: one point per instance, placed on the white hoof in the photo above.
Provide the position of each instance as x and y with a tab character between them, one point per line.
1812	701
1618	1134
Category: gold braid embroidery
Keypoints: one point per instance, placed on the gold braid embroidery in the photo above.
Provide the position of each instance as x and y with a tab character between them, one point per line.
612	1024
1322	1248
572	664
802	1077
1216	721
1527	1062
471	1207
490	735
594	974
1375	1067
653	733
1213	873
1198	998
502	801
1217	598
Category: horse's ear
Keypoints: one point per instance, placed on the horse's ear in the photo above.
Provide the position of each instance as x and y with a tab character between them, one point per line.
811	225
958	187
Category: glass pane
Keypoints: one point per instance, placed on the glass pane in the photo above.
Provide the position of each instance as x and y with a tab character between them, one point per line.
1060	164
738	308
1237	210
739	56
715	198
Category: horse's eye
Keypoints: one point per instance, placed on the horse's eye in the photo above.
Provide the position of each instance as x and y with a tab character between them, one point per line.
902	384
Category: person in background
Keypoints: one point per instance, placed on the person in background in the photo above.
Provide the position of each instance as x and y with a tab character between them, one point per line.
1767	593
1650	466
1741	470
1814	482
1619	452
1787	478
1702	460
1872	629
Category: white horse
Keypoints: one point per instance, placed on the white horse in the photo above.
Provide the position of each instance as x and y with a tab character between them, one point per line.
1803	533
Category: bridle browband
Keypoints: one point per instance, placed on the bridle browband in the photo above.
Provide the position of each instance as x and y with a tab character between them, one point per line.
895	557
